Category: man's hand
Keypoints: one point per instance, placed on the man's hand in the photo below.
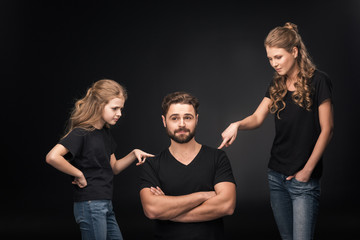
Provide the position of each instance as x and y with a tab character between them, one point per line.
157	191
157	205
218	206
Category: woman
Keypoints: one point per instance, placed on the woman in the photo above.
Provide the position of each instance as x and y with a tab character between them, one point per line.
300	98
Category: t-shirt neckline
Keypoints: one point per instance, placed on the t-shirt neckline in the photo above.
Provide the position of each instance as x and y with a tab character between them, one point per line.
192	161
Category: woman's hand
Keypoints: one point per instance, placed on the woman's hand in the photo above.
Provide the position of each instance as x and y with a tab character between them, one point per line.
301	176
229	135
141	156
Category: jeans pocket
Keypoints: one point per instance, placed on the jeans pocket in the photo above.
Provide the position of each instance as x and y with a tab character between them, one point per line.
300	182
311	187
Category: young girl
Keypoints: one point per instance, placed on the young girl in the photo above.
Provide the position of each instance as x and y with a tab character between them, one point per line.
91	147
300	98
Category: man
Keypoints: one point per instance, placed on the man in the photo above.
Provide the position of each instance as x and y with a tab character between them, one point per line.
188	187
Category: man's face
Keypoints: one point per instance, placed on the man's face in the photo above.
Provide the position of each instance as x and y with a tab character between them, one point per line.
180	122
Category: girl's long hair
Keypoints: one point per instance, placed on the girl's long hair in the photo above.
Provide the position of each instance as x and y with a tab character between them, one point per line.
88	110
287	37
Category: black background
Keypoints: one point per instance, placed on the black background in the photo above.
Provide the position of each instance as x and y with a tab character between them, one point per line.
52	51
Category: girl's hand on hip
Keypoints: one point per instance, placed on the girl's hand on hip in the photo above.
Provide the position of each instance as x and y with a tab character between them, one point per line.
80	181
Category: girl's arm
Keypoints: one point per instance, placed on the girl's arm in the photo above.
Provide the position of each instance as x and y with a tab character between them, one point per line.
121	164
251	122
326	120
56	159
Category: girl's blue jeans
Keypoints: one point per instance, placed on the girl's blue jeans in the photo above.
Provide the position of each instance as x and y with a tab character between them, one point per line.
295	205
97	220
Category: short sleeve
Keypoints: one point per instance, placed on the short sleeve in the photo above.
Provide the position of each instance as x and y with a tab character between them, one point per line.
323	89
113	145
74	142
112	142
223	172
267	93
148	176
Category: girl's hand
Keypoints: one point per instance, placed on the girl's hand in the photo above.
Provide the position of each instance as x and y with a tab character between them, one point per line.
141	156
229	135
80	181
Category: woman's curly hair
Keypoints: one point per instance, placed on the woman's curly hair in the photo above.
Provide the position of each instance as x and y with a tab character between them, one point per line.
287	37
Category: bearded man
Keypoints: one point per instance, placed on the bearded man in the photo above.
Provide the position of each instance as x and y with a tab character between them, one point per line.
188	188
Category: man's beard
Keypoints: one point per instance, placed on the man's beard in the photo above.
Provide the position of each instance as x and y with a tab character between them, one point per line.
181	138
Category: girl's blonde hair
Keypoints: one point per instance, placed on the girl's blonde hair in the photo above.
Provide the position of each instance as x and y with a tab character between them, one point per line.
88	110
287	37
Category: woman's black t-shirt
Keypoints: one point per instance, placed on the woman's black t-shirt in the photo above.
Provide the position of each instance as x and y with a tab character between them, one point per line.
90	151
297	130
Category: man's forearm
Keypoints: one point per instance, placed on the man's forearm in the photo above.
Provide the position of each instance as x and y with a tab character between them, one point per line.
219	206
168	207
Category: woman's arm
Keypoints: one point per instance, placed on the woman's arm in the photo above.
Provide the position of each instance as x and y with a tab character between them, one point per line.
326	119
121	164
56	159
251	122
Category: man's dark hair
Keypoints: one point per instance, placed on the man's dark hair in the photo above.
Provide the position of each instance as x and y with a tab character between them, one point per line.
179	97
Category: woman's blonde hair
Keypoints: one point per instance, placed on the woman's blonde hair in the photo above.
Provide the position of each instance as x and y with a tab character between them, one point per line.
88	110
287	37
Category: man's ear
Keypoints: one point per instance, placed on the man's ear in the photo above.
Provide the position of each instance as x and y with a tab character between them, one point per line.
164	120
197	118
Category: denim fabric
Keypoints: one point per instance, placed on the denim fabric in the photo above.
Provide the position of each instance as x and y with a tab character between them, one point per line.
295	205
97	220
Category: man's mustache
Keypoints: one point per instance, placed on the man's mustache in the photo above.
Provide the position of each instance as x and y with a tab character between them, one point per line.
181	130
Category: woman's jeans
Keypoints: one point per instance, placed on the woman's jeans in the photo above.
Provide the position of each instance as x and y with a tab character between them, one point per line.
97	220
295	205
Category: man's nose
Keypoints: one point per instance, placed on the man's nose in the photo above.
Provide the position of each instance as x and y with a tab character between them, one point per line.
181	122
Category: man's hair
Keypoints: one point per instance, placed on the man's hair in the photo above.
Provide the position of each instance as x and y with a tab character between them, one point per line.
179	97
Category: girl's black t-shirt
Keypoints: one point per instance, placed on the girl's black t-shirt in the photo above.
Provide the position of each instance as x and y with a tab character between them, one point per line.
90	152
297	130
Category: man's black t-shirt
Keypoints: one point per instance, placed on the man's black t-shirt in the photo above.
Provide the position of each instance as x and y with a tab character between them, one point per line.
297	130
209	167
90	151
